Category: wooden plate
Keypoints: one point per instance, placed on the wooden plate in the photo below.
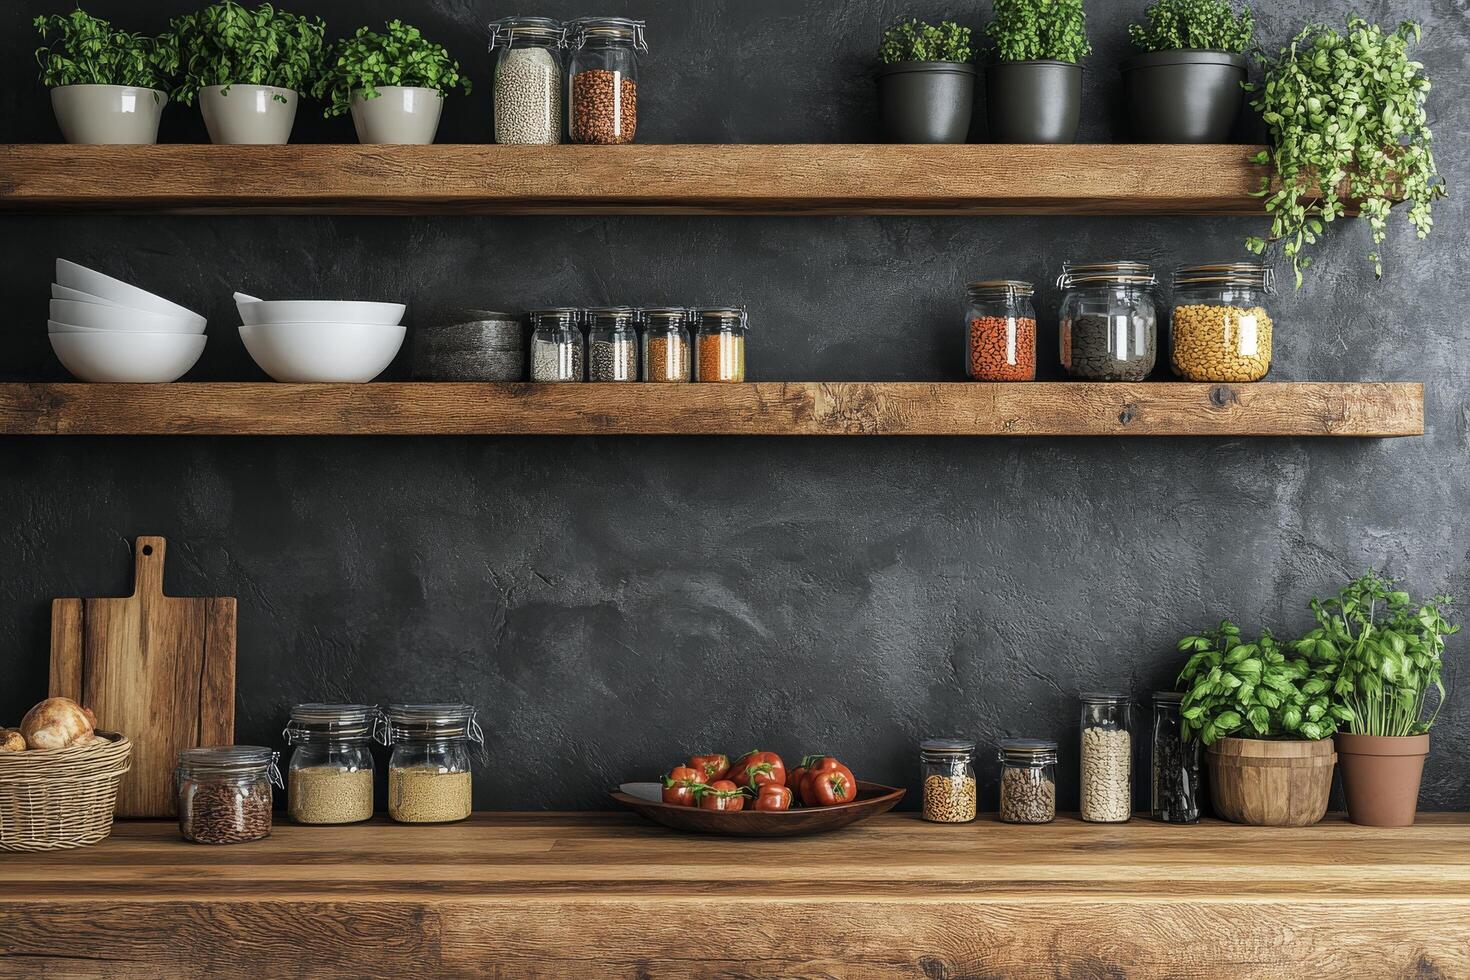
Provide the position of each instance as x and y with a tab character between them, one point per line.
872	799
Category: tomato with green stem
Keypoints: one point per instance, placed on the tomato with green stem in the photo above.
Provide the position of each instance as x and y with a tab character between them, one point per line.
772	798
680	784
831	785
713	766
755	769
721	795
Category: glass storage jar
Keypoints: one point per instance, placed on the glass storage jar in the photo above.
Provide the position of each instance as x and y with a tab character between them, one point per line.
1109	321
528	79
1028	780
1000	331
224	793
602	105
330	777
666	344
948	768
1107	758
612	344
429	777
1174	796
1220	329
720	344
558	350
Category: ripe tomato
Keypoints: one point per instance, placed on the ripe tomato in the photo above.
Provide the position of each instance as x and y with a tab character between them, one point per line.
796	778
712	767
721	795
772	797
831	785
756	769
680	784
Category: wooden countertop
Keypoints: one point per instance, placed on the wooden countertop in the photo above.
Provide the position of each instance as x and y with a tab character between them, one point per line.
593	895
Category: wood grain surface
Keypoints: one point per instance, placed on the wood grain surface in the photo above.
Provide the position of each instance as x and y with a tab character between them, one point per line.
584	895
639	178
793	408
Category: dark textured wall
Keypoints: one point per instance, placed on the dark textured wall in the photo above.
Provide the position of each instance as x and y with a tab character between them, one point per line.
610	603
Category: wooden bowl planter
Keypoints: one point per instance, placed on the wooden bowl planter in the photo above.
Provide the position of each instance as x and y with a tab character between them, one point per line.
1270	783
1380	777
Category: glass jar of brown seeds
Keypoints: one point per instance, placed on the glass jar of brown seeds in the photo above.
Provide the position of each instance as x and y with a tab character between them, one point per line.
948	769
1028	781
224	793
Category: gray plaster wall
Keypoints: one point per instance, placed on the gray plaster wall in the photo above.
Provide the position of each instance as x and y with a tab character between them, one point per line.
611	604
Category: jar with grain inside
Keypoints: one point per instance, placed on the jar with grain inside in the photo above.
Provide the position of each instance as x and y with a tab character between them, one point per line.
612	344
558	351
1107	758
330	777
720	344
1109	321
1174	789
602	105
948	768
1220	330
528	79
666	345
429	777
1000	331
224	793
1028	780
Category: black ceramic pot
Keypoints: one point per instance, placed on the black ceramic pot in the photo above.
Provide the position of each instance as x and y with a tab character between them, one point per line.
1183	96
926	101
1033	101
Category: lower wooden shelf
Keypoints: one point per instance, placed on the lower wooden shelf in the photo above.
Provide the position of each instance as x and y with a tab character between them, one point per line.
594	895
791	408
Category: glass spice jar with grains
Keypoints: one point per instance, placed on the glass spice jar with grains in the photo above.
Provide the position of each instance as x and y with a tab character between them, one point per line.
1174	793
612	344
429	777
1109	321
1107	758
1220	330
1000	331
720	344
602	106
528	80
1028	781
666	346
948	768
329	779
558	350
224	793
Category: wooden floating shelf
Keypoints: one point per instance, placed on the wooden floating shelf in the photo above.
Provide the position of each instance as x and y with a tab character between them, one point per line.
638	179
775	408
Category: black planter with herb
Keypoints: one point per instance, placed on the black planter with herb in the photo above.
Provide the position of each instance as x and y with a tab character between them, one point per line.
1033	89
1187	83
926	87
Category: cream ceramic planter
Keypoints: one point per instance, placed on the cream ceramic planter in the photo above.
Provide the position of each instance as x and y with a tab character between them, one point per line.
398	115
249	113
108	113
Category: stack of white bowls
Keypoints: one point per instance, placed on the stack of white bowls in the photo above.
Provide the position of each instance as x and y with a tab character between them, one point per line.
103	329
321	341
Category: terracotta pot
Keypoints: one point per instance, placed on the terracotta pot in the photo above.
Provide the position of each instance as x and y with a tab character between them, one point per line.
1380	777
1271	783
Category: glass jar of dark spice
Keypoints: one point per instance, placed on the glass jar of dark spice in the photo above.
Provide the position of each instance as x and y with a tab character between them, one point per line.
603	103
720	345
1109	321
666	346
224	793
330	777
528	79
1000	331
612	344
1028	780
1175	786
557	348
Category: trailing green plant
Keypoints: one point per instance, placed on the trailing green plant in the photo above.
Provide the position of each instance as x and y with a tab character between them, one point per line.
1246	688
402	56
84	50
1038	30
1390	649
1200	25
915	40
227	44
1345	113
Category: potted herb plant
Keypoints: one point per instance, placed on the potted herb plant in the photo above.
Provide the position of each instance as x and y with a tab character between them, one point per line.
1034	86
1265	719
1346	120
106	86
1390	648
247	68
394	84
926	87
1186	85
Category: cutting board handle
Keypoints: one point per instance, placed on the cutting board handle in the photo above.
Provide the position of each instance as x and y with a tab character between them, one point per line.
148	568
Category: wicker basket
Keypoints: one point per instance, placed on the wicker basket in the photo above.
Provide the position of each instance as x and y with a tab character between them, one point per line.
51	800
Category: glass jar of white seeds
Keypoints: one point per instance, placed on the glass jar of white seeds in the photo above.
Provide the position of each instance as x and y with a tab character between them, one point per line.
557	349
528	79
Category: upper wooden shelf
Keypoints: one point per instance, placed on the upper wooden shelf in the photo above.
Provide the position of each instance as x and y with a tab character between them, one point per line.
636	179
777	408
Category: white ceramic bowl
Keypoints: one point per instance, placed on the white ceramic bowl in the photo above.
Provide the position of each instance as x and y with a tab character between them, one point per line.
128	358
118	319
77	296
74	276
323	352
319	311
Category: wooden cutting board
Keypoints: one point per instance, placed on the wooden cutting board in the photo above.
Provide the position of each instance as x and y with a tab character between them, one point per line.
157	668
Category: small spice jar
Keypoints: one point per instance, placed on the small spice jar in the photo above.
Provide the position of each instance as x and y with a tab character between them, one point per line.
557	347
1028	781
1109	321
429	771
1107	758
330	777
612	344
528	79
1000	331
948	768
603	103
720	344
224	793
666	346
1174	795
1220	329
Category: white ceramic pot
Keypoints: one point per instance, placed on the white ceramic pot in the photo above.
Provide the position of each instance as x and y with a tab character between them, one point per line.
108	113
398	115
248	114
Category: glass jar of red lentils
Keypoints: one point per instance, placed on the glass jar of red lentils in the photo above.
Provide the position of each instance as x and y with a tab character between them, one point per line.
719	347
1000	331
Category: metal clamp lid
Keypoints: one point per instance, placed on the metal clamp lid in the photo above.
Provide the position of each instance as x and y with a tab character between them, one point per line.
503	32
231	760
446	720
1241	274
583	29
1001	287
331	722
947	746
1124	273
1027	751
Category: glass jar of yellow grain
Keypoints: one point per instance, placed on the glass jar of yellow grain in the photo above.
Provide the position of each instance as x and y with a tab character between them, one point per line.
330	777
1221	329
948	768
429	770
666	346
720	344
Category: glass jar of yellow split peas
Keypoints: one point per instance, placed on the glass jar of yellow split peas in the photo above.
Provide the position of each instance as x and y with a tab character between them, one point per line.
1221	329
